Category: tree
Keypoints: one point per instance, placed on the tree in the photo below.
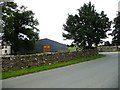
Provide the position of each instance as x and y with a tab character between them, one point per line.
19	27
107	43
87	27
116	31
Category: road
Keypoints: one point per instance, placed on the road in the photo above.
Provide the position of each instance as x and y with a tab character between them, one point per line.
99	73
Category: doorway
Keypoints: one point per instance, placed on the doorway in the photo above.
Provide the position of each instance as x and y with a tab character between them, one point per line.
46	48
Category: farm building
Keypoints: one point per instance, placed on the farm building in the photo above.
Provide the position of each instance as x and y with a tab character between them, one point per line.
5	48
47	45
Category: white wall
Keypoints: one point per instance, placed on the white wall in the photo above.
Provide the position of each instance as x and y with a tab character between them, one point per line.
6	50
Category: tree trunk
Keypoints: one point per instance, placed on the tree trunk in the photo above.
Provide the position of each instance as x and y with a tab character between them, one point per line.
89	44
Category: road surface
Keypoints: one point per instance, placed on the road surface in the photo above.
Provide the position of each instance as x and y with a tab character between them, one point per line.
99	73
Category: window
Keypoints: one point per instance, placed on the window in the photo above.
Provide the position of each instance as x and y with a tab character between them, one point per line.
44	46
5	51
48	46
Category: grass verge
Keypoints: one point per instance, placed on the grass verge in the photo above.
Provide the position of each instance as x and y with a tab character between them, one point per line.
16	73
111	51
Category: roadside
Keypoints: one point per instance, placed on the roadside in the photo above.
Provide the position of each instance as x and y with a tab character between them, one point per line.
98	73
25	71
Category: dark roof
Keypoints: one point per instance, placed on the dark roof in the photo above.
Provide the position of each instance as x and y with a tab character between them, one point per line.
46	39
55	46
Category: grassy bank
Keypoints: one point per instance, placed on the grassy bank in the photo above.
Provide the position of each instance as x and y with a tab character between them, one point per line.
111	51
16	73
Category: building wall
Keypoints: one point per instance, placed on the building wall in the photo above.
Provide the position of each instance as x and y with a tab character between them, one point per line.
6	50
55	46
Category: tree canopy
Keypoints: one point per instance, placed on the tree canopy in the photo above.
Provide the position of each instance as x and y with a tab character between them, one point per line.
88	27
19	27
116	31
107	43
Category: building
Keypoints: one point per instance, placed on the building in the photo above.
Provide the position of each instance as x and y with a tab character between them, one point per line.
47	45
5	49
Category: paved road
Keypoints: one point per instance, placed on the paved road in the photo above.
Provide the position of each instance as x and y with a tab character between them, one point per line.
99	73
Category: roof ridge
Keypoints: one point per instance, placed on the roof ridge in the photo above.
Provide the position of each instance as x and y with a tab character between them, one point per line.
51	40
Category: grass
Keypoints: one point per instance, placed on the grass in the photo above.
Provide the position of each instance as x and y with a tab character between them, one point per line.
16	73
111	51
118	51
73	48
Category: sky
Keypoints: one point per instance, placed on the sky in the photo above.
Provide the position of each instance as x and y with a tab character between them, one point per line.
52	14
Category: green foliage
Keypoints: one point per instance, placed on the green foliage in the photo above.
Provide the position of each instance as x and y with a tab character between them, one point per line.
87	27
72	48
16	73
116	31
19	27
107	43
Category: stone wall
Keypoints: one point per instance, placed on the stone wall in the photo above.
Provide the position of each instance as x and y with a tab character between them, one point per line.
108	48
11	63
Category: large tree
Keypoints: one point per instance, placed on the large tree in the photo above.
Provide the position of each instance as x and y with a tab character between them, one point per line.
19	27
116	31
107	43
87	27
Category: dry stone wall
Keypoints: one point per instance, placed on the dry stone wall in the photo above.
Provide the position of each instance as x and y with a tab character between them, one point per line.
108	48
12	63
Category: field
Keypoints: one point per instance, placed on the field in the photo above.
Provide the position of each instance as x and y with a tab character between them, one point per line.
71	48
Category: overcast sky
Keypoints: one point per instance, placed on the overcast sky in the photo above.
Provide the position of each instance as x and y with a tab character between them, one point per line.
52	14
